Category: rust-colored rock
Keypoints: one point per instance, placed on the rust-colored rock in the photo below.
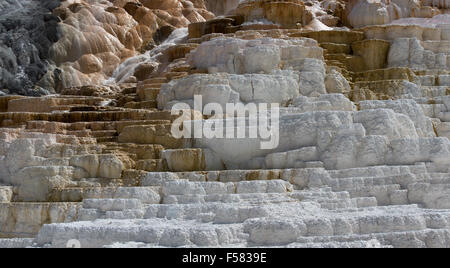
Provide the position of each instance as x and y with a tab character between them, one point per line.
289	13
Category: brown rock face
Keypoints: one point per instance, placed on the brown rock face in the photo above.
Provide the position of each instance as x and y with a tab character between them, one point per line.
360	13
98	35
90	64
286	13
334	37
132	7
143	71
373	52
222	25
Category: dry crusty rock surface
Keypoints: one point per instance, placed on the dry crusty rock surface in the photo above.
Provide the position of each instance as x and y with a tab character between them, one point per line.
363	156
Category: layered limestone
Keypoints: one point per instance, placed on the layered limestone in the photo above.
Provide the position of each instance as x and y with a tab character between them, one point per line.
286	13
38	163
256	67
366	12
21	220
390	133
223	89
355	152
240	56
406	52
97	36
85	42
226	212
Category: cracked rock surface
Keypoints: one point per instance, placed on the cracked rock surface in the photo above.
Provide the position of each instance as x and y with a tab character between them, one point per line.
363	151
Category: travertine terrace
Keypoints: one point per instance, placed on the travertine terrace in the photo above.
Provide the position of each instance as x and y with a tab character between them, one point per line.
363	158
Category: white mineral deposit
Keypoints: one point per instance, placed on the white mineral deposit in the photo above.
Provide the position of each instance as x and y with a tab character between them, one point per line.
88	156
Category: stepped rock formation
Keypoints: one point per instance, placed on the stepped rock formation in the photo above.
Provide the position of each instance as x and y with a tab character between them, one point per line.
362	147
99	35
87	44
27	31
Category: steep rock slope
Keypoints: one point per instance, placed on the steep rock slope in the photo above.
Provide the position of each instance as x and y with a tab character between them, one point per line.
98	35
27	31
58	44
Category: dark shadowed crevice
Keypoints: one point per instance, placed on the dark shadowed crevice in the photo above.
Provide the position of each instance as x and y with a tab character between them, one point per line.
27	30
